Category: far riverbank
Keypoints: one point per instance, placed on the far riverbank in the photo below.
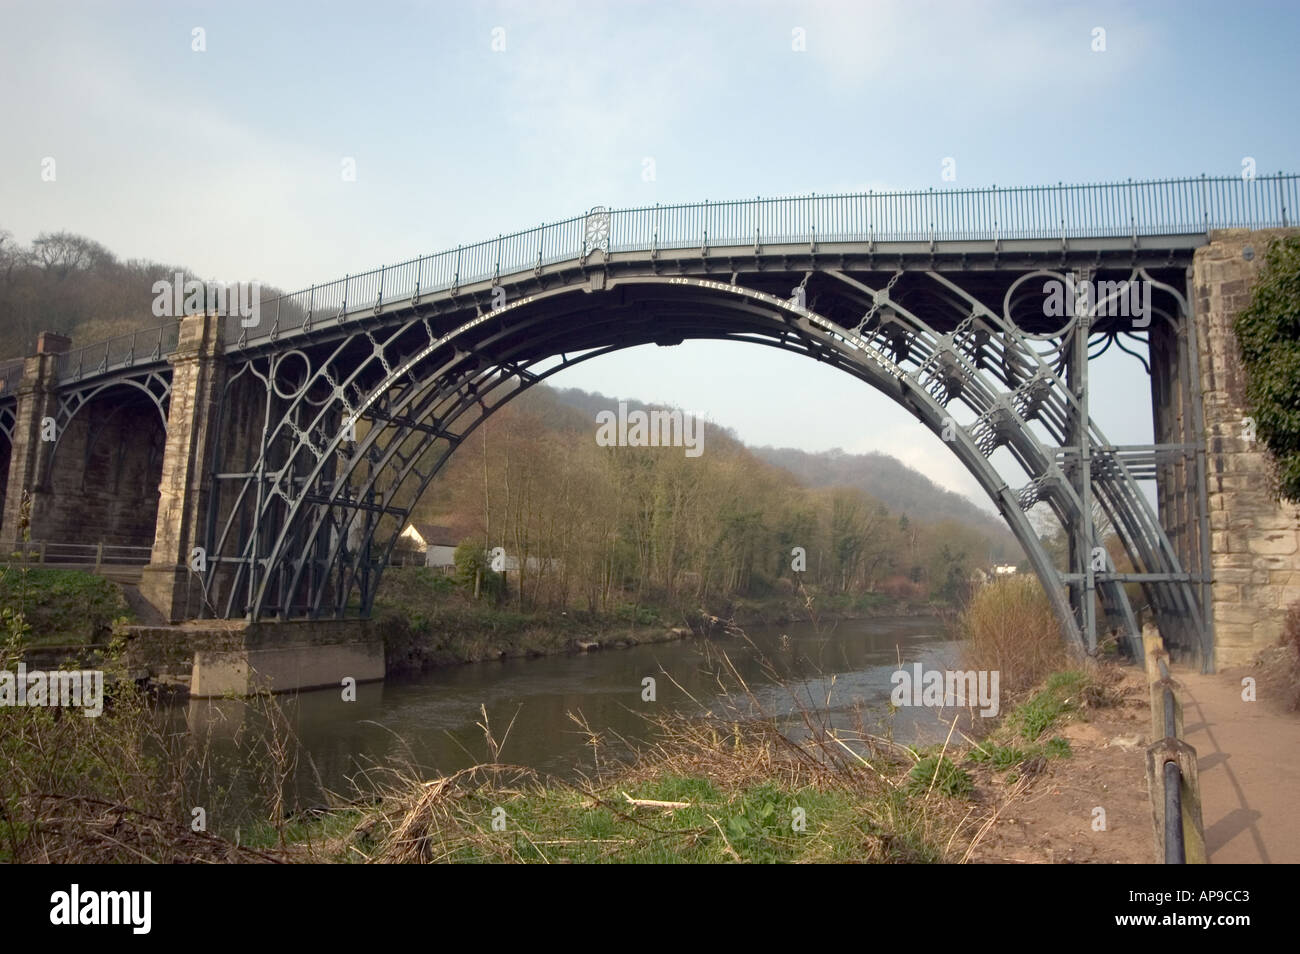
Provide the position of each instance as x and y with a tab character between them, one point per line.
427	625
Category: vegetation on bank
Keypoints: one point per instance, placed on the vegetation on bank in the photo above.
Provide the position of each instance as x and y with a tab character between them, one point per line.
427	620
591	528
62	607
707	792
1268	333
1009	626
430	619
722	788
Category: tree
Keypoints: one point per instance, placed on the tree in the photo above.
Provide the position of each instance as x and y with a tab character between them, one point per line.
1268	332
63	253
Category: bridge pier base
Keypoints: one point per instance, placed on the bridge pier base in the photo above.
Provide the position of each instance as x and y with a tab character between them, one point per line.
284	657
223	658
169	582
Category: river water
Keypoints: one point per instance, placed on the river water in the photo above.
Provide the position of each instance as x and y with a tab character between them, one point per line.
430	721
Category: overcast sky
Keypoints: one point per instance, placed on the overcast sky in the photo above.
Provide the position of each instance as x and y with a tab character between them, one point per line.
228	159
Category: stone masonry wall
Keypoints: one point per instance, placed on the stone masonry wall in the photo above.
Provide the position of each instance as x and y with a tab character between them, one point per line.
1255	539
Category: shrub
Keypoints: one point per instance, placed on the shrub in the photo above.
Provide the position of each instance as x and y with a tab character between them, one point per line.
471	561
1009	626
1268	332
901	588
63	607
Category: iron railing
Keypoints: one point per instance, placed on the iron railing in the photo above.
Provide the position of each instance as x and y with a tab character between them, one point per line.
123	351
92	556
1128	209
11	375
1158	207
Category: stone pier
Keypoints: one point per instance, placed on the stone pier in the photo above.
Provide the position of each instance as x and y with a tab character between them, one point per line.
198	376
1255	538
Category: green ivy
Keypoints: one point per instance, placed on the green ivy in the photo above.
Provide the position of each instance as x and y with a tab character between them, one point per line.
1268	330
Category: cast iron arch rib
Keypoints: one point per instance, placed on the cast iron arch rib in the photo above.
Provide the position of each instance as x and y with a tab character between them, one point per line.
334	538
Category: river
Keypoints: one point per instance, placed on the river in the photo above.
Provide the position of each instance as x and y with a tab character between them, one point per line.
430	720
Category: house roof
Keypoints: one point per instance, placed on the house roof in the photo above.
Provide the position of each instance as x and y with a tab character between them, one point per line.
434	535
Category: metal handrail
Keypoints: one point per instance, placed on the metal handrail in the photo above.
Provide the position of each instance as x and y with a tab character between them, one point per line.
11	375
46	553
1188	206
1169	749
122	351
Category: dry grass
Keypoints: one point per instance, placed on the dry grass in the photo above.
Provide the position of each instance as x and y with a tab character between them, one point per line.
80	829
705	792
1009	626
725	787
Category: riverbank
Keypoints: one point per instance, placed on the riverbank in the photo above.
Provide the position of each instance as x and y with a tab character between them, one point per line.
719	789
427	623
722	786
768	764
62	607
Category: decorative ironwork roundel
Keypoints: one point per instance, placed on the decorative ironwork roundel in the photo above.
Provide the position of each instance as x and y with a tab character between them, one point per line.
595	233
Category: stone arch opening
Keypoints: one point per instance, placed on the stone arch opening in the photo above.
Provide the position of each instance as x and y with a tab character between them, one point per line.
101	483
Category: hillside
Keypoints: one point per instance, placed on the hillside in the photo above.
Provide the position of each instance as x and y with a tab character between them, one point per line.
611	525
901	488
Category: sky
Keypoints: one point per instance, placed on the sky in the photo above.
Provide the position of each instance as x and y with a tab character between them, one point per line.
214	135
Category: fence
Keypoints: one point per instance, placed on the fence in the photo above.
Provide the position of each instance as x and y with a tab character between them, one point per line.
1172	778
121	352
87	556
11	375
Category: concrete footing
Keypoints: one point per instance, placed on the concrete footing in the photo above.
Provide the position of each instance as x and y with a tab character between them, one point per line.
217	658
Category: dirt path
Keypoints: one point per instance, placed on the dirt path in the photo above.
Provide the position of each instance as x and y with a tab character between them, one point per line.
1248	756
1053	817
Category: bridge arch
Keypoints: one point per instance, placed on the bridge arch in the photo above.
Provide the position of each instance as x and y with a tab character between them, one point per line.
104	465
333	537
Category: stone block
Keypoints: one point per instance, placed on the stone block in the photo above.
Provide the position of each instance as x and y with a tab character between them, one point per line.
1281	543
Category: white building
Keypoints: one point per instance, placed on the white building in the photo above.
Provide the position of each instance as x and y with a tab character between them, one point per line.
438	543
